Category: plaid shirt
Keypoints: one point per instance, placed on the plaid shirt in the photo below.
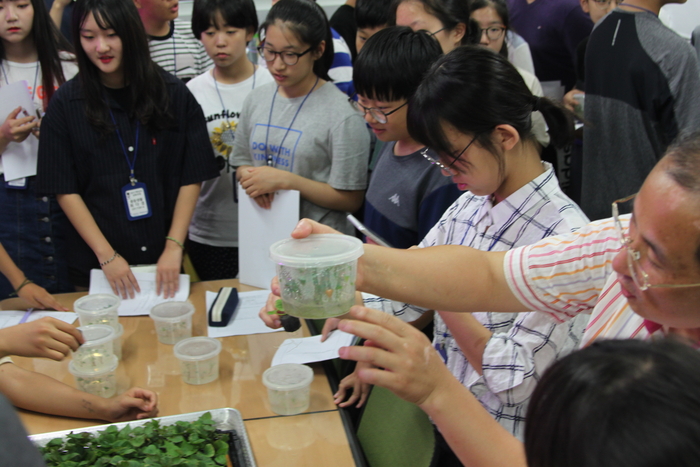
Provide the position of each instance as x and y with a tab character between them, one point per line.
522	345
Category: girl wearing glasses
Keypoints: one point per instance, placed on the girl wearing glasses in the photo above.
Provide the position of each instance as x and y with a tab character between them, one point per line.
300	133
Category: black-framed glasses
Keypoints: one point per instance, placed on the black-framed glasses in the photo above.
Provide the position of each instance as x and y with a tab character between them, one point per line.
288	58
433	33
493	33
447	168
377	114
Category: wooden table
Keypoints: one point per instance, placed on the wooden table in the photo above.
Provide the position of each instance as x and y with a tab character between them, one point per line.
317	437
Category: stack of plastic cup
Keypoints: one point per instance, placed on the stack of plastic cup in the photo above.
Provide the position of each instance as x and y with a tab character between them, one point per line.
288	388
101	308
94	363
173	321
199	359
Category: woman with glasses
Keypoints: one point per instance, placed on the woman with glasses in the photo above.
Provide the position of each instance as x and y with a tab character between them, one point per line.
300	133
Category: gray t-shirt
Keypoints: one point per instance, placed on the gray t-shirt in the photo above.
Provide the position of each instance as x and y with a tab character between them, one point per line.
327	142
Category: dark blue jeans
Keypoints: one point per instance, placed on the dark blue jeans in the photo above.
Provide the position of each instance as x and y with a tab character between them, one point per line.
32	232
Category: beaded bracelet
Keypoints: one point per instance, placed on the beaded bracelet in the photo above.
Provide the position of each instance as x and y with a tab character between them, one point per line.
116	255
25	282
176	241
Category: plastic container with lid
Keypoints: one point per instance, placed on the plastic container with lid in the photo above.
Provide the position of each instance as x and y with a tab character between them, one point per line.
173	321
317	274
95	354
288	387
101	383
117	342
199	359
101	308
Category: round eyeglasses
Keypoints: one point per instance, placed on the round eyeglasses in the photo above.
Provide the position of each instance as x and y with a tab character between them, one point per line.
639	276
288	58
447	168
493	33
378	115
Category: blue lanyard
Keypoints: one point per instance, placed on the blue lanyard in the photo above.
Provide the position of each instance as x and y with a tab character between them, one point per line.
223	106
36	75
638	8
130	162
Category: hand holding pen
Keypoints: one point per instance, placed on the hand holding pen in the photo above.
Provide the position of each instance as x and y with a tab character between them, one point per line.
16	129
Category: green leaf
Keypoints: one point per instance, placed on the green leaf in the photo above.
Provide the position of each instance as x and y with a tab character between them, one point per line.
208	450
221	447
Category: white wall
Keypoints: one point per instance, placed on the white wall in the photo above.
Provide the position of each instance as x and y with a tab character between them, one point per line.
263	6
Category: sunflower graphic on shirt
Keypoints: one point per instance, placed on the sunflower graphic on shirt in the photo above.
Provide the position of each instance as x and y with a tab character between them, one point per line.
222	139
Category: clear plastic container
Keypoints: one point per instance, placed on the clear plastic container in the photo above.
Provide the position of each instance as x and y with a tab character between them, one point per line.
199	359
101	308
288	387
117	342
173	321
317	274
96	353
101	383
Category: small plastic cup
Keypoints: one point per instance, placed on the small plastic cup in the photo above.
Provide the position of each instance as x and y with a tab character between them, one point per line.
173	321
579	108
101	383
199	359
95	354
99	308
288	387
117	342
317	274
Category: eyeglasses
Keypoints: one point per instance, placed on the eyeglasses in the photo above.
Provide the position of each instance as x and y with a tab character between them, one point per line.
640	277
447	168
493	33
433	33
376	114
288	58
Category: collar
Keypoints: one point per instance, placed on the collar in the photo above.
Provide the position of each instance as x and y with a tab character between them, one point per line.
165	37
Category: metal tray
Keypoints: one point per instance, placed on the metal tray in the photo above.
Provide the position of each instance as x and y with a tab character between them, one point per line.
225	419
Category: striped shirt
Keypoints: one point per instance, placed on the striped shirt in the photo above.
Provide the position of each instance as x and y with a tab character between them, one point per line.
522	345
179	52
570	275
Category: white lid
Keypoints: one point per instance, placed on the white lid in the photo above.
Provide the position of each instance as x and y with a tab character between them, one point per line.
171	311
96	334
112	363
197	348
97	303
318	250
288	376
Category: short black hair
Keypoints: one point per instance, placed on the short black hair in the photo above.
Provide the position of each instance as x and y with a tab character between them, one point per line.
372	13
393	62
236	13
617	403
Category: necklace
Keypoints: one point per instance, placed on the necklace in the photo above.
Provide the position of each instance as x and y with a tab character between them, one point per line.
270	159
638	8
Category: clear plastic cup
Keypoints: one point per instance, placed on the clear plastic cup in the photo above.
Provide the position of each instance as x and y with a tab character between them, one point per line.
96	353
288	387
173	321
579	108
199	359
117	342
317	274
101	383
101	308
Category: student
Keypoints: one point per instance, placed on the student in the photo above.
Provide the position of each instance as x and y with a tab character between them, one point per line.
300	133
31	225
496	34
636	276
171	41
405	196
225	27
343	21
124	147
634	403
371	17
633	120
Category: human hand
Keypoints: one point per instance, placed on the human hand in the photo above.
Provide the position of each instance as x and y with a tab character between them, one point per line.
569	101
168	270
307	227
262	180
360	390
18	129
46	338
120	277
38	297
412	369
265	201
331	325
134	404
268	313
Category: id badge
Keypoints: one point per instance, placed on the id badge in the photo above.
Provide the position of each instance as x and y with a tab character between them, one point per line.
17	184
136	201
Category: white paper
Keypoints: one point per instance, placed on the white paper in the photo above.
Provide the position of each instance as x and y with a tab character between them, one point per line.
143	301
12	318
311	349
18	159
246	319
259	228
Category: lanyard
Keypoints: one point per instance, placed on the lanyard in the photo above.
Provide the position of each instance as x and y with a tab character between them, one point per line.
270	160
36	75
174	52
130	162
223	107
638	8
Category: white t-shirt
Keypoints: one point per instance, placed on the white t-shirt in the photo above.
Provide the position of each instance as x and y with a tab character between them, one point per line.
215	219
